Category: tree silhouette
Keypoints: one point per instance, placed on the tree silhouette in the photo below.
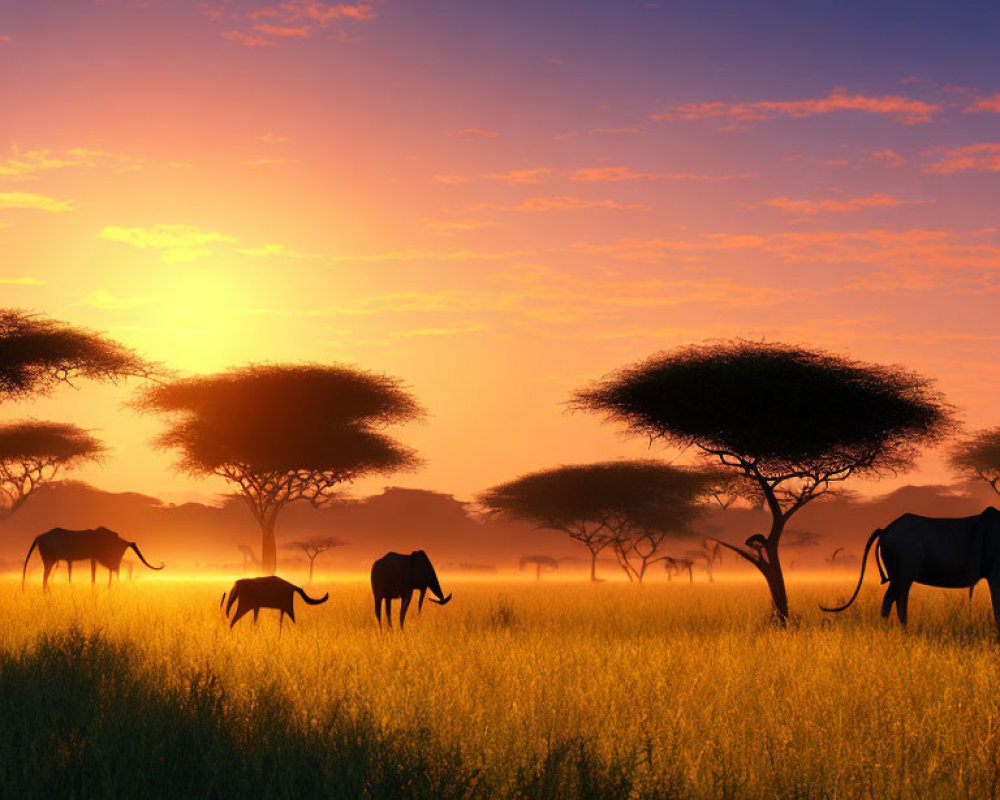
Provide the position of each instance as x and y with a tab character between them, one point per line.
629	506
283	433
675	566
313	547
979	457
710	553
539	563
790	422
32	453
37	354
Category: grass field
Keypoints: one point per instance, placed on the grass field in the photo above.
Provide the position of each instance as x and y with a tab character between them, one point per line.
557	690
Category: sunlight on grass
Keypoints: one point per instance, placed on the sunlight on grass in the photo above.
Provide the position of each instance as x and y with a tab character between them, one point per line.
678	690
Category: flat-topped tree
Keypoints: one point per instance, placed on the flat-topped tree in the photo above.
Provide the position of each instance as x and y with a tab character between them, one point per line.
284	433
791	422
979	457
540	563
37	354
629	506
33	453
314	547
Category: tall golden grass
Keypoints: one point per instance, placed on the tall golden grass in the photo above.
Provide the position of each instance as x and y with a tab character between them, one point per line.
663	690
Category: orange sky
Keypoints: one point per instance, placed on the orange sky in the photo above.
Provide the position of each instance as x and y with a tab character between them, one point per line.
498	201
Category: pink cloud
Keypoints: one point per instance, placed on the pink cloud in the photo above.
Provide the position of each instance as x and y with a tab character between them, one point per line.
904	109
616	174
284	33
247	39
5	39
807	207
983	156
477	132
888	157
520	176
985	104
290	19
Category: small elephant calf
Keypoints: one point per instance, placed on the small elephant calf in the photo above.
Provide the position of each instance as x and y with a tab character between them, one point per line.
253	594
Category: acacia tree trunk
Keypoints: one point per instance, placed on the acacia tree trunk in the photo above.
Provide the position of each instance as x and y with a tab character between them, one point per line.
771	570
312	563
268	549
593	565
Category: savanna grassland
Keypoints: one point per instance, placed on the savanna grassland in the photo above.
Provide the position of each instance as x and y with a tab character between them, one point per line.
554	690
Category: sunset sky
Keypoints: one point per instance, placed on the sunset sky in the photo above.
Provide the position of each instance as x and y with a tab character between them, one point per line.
499	200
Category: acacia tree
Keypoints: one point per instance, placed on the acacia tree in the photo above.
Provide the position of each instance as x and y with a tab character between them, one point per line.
313	547
629	506
791	422
710	553
33	453
979	457
283	433
540	563
37	355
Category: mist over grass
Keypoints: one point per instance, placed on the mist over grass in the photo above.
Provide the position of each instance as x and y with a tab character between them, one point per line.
561	691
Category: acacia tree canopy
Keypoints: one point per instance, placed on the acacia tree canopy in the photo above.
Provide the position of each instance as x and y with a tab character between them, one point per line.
32	453
614	503
979	457
37	354
284	433
789	421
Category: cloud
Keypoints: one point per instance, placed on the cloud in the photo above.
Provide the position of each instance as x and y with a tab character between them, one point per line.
35	201
984	156
520	176
177	243
810	208
991	103
451	180
26	163
903	109
558	203
287	20
888	157
25	281
268	250
450	226
617	174
273	138
102	298
5	39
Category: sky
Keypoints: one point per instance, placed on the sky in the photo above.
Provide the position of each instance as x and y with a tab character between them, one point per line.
499	201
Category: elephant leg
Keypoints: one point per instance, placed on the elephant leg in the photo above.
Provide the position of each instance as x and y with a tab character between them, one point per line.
256	612
291	614
93	572
902	600
45	575
378	610
388	612
888	600
281	620
239	613
420	602
69	571
404	604
994	584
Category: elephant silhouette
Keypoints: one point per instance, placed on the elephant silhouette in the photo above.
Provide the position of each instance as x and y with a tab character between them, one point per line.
97	545
253	594
934	551
396	575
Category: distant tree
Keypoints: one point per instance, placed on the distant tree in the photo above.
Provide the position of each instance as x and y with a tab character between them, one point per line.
539	563
249	557
790	422
629	506
979	457
283	433
33	453
830	559
675	566
710	553
313	547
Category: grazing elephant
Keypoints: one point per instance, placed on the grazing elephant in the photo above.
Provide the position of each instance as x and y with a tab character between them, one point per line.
253	594
398	575
97	545
935	551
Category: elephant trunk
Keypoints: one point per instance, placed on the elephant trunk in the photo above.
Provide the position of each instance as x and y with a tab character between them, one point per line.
435	587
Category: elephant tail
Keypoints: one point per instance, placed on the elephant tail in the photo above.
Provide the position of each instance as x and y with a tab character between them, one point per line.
234	593
311	601
864	561
223	600
135	547
24	571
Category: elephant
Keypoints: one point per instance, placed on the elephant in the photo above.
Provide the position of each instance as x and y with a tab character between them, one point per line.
253	594
399	575
94	544
934	551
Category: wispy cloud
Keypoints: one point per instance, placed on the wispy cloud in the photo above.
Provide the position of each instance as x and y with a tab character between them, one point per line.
983	156
991	103
564	202
271	250
476	133
176	243
267	25
907	110
452	226
25	281
617	174
39	202
24	163
102	298
834	205
520	176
